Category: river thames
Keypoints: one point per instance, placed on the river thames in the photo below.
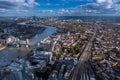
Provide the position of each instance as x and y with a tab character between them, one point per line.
9	54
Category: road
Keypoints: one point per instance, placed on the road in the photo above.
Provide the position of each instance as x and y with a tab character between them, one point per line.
83	70
53	47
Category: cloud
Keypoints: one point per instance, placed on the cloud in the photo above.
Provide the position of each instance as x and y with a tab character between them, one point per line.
2	10
31	3
50	4
8	4
63	11
108	3
17	7
101	1
95	9
98	7
60	7
46	11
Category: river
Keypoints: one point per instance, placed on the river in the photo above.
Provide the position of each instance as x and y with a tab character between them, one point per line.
9	54
47	32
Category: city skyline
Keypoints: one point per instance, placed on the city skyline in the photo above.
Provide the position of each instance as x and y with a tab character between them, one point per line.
59	40
59	7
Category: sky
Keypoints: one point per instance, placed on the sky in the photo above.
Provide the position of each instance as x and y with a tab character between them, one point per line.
59	7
